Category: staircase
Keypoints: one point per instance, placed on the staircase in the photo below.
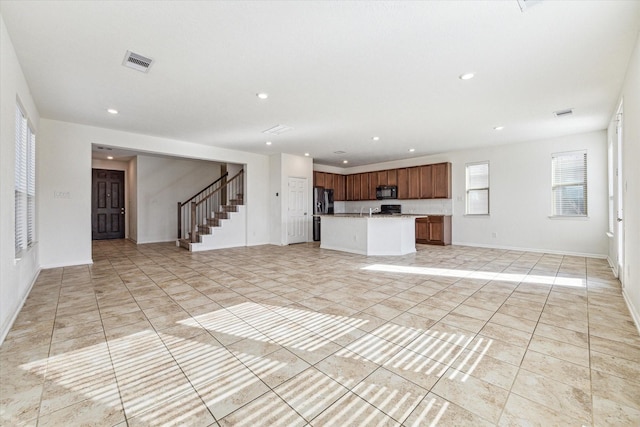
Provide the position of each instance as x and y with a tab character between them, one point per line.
215	218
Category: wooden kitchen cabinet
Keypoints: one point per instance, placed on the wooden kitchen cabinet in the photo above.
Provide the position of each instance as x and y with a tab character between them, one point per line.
441	177
426	182
353	187
434	230
414	182
392	177
382	178
364	186
339	193
418	182
422	230
318	179
403	183
328	181
373	185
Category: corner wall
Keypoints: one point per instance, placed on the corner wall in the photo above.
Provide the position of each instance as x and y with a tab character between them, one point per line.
161	183
631	176
68	225
282	166
17	276
520	197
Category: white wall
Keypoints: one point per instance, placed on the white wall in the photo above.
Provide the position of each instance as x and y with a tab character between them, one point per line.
520	197
118	166
16	277
631	176
285	166
66	166
162	183
132	186
275	199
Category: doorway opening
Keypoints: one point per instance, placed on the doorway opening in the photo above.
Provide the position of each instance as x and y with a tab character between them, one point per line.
107	204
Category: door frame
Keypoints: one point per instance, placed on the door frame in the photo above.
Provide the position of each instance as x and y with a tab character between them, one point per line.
113	165
305	180
618	228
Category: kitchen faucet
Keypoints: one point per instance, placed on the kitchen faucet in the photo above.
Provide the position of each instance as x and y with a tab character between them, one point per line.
372	210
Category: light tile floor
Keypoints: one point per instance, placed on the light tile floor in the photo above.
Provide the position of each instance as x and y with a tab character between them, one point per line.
294	336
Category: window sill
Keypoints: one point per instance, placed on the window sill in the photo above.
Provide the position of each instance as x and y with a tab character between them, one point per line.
566	217
476	215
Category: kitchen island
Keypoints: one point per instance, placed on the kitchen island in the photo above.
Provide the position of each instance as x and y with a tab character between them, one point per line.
369	235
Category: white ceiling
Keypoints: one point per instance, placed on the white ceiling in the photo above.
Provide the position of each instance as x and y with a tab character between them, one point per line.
339	73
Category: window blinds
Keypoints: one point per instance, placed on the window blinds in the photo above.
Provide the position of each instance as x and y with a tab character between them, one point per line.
569	183
478	188
24	183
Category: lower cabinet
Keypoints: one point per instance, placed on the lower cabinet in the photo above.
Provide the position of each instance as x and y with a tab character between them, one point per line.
434	230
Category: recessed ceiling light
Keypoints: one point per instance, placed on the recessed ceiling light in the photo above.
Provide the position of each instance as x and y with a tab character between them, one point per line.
112	111
268	143
345	161
376	138
262	95
339	152
411	150
110	157
466	76
306	154
498	127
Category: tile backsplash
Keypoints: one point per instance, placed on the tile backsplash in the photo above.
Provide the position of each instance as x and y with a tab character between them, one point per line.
428	207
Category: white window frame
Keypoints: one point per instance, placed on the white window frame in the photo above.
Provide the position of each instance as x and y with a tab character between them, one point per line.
561	185
24	184
471	190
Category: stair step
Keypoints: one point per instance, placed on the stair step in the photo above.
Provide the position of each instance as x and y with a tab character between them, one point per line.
204	229
229	208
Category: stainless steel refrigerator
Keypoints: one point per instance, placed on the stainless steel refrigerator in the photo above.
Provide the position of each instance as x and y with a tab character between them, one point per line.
322	205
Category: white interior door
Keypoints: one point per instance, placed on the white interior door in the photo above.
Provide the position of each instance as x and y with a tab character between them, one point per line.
297	215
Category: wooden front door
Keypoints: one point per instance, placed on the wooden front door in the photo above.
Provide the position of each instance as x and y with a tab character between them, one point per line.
107	204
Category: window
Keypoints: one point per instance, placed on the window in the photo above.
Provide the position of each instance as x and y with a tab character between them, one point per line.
25	184
478	188
569	183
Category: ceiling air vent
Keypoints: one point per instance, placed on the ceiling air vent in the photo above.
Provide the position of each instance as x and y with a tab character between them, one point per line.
524	4
137	62
563	113
278	130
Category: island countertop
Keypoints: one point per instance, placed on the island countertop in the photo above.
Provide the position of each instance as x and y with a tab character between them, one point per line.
369	235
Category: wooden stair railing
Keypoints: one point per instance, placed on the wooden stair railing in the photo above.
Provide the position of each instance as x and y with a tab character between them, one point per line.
209	205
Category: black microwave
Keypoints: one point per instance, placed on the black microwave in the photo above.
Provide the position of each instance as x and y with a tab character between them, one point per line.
386	192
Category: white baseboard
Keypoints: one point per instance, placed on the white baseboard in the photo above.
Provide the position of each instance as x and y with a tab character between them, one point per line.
66	264
9	324
634	313
536	250
614	267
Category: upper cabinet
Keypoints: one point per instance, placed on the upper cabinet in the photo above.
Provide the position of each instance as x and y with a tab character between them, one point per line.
417	182
403	183
339	187
441	178
318	179
414	182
